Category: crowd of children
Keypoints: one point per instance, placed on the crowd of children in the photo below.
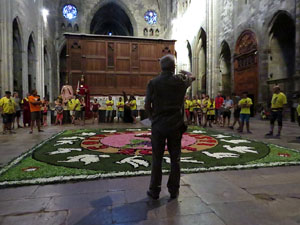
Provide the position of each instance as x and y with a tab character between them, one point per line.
207	110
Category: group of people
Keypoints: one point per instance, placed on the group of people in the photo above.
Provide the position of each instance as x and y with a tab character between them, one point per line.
126	109
209	110
34	111
201	111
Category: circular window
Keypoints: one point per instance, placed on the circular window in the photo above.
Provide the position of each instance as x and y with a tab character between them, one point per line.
151	17
70	12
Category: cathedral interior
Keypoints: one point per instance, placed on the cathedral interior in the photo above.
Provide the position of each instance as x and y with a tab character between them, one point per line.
230	46
88	173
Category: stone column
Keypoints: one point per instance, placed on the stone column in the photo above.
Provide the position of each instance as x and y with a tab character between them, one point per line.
40	52
297	63
25	69
194	71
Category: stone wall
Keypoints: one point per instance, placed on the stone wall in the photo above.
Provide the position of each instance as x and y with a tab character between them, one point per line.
223	22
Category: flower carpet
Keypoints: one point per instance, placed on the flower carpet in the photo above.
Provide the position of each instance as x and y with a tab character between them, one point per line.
92	154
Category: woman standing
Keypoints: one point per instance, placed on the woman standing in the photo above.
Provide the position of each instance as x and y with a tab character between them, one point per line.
95	110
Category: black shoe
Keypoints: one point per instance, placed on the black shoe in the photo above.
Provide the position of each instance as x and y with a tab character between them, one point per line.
152	195
278	135
231	127
174	195
270	134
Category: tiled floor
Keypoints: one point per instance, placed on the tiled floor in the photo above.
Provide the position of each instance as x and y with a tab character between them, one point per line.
266	196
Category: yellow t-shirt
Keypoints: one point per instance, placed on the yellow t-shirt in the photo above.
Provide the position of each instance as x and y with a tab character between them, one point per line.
278	100
121	109
187	104
71	104
199	102
298	109
245	110
8	105
133	104
192	105
205	103
77	102
109	108
195	105
211	108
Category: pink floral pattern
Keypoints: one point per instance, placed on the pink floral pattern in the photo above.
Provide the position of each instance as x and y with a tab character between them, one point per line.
125	139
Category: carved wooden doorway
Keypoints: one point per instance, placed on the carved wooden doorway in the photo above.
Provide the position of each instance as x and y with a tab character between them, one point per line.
246	66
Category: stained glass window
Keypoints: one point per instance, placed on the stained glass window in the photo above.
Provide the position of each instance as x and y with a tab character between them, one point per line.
150	17
70	12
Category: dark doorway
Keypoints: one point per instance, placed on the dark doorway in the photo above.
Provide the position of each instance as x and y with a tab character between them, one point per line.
31	64
225	68
111	19
17	59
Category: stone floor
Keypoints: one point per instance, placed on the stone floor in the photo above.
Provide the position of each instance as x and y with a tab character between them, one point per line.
265	196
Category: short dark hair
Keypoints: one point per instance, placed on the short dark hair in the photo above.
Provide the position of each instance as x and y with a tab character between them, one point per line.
167	62
8	93
245	92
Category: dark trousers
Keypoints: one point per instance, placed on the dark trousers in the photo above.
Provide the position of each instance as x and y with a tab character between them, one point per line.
158	148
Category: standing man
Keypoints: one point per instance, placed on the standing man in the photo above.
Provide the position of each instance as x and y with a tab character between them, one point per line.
245	104
109	109
164	104
219	102
120	106
35	110
277	105
77	108
228	105
133	108
17	101
7	108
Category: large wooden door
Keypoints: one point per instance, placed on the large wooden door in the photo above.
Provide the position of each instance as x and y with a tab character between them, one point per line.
114	64
246	65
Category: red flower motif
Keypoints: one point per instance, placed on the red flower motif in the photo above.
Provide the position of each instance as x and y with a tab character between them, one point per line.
206	144
205	137
127	151
190	148
284	155
92	139
103	147
100	135
209	141
90	142
146	152
93	148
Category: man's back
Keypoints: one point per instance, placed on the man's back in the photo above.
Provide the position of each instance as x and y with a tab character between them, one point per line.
166	94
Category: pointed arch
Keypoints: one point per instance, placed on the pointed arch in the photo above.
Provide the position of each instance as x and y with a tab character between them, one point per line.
120	4
281	51
31	51
201	68
225	68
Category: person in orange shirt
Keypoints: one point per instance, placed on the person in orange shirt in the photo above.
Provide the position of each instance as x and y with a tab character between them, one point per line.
35	110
